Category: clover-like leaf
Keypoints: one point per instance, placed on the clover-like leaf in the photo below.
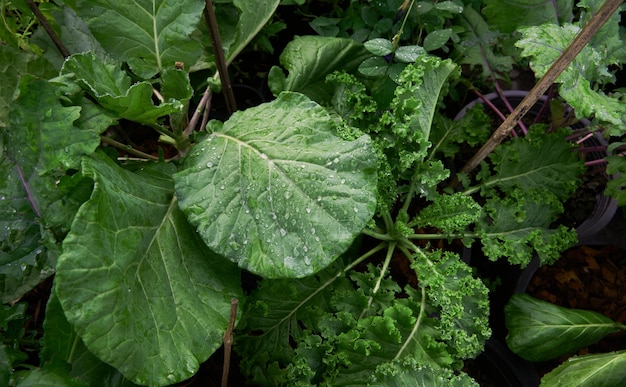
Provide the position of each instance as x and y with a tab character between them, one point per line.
276	191
136	282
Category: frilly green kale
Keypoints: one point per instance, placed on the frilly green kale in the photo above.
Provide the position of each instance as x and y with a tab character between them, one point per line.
333	331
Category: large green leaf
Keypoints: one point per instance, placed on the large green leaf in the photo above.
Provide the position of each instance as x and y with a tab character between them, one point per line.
275	190
539	330
138	285
238	21
14	64
148	34
604	369
309	59
62	348
507	16
42	130
113	89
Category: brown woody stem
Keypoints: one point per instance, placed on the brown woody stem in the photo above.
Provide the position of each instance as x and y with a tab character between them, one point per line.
566	57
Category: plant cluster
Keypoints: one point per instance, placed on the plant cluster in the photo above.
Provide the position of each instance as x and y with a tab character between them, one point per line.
316	193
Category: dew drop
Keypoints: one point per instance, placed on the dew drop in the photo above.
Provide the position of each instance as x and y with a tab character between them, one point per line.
23	266
356	209
307	260
308	210
222	186
283	232
288	195
313	231
209	164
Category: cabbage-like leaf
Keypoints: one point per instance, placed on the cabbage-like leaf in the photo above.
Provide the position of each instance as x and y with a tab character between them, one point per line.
14	64
63	349
507	16
603	369
539	330
148	34
276	191
113	89
138	285
42	131
309	59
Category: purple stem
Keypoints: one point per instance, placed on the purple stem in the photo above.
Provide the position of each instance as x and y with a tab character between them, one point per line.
31	199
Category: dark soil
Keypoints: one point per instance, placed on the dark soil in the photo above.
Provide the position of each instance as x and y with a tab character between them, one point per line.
591	278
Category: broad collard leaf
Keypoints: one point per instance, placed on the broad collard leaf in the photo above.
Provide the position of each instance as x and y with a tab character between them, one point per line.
580	83
239	22
63	349
72	31
140	288
148	34
506	16
274	190
113	89
480	46
42	131
516	226
539	330
536	161
254	15
14	64
603	369
309	59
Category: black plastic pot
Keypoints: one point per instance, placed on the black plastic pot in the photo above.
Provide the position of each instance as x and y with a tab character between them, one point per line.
497	366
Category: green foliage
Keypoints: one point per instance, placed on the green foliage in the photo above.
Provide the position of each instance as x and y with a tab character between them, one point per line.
580	83
539	331
317	192
279	159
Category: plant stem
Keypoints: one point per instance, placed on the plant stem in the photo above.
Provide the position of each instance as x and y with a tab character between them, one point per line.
218	51
203	105
228	341
46	26
383	273
127	148
598	20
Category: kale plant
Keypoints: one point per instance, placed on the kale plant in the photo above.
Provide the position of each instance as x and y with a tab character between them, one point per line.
317	193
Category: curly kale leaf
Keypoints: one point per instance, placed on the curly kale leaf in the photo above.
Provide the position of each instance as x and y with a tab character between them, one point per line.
409	372
460	299
302	332
515	226
450	213
536	161
275	316
472	129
